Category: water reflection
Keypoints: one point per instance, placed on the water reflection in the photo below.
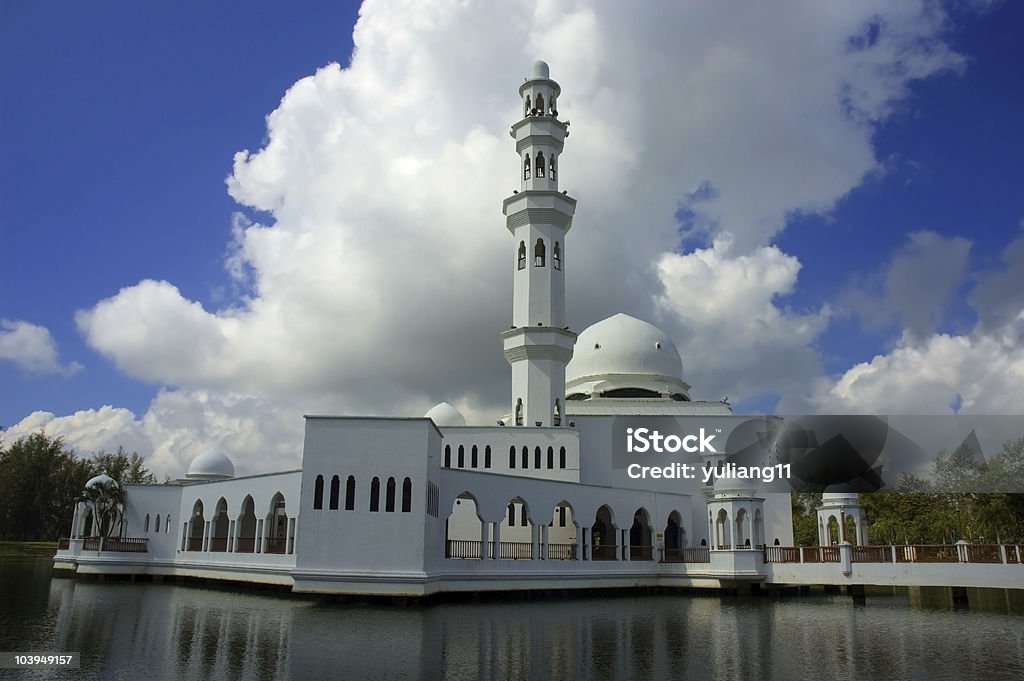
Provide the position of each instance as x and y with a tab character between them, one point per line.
157	631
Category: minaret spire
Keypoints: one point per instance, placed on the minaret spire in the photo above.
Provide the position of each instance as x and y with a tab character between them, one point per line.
539	345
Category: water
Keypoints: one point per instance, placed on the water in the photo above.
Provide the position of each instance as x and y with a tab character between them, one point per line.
162	631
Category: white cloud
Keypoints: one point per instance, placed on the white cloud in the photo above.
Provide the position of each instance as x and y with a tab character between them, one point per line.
382	274
735	338
32	348
979	372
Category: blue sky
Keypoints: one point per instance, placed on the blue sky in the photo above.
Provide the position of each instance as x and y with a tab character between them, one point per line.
122	123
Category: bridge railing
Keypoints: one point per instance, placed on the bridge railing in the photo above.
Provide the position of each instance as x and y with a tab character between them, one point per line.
693	554
1011	554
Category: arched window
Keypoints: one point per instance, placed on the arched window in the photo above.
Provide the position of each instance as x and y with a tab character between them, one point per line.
556	416
512	456
538	253
522	256
511	515
526	457
561	457
519	412
406	495
145	527
557	255
552	168
487	456
335	492
522	515
551	458
318	493
474	458
375	495
540	104
462	456
551	106
447	456
389	500
540	164
157	522
526	168
536	458
350	493
526	108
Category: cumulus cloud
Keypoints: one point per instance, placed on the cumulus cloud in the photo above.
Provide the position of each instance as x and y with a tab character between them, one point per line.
378	271
32	348
977	372
735	337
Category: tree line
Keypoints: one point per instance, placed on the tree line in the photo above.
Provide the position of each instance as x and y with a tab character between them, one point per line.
941	507
42	478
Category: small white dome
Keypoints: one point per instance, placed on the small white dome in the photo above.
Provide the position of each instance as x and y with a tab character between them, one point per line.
101	479
540	70
212	464
624	353
844	498
445	415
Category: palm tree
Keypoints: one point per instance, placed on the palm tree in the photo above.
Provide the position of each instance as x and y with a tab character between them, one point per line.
106	497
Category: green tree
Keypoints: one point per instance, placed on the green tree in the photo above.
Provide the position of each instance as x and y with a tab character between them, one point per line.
40	481
127	469
107	501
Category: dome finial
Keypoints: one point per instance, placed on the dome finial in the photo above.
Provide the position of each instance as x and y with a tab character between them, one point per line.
540	70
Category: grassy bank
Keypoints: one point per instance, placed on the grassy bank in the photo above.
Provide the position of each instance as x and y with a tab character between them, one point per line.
28	548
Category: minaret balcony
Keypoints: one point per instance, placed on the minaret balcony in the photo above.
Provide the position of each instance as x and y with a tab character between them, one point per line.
539	207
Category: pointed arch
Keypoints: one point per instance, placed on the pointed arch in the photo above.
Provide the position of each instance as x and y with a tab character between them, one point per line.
521	256
465	531
487	456
447	456
276	526
350	493
526	167
640	545
552	168
246	523
602	535
540	166
551	458
540	104
389	498
318	493
335	492
562	536
407	495
197	527
536	458
375	495
526	107
474	457
512	457
462	456
526	457
221	522
561	457
539	253
556	255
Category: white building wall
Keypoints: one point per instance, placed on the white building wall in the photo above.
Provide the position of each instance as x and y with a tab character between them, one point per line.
361	540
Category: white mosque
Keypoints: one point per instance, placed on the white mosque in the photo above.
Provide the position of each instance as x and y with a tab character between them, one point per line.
417	506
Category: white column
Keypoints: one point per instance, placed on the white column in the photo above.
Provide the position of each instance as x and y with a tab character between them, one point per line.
581	538
484	537
259	535
535	542
497	541
544	543
231	536
624	548
750	530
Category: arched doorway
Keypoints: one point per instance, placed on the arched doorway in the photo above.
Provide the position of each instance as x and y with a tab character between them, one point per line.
246	542
675	538
562	533
196	528
602	535
464	529
640	545
277	526
219	538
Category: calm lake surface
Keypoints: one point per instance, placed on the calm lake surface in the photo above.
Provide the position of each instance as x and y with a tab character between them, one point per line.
164	631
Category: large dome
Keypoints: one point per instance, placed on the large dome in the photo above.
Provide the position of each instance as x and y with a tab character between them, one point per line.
445	415
212	464
623	356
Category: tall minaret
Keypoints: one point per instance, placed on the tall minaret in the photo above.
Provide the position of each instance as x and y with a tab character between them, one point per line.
539	345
